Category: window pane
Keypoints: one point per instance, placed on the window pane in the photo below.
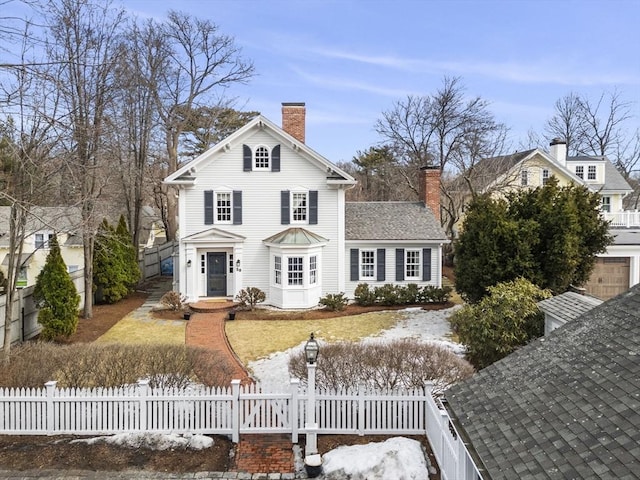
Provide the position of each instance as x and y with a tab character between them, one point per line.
278	270
412	264
262	157
299	207
313	270
223	207
295	270
367	264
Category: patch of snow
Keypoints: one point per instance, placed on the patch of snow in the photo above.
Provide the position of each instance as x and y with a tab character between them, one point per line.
425	325
398	458
153	441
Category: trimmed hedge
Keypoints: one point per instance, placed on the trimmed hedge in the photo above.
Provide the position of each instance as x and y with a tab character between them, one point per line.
411	294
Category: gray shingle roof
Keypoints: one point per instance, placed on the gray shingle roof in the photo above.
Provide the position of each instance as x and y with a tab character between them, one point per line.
625	236
391	221
565	406
59	219
568	306
485	172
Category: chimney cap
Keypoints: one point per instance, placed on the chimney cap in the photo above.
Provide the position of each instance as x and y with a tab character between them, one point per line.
430	167
557	141
293	104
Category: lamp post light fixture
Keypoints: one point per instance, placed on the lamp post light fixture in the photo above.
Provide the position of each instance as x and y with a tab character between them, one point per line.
238	265
311	350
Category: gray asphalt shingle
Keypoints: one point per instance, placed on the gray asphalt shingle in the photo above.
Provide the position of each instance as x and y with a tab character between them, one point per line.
391	221
572	399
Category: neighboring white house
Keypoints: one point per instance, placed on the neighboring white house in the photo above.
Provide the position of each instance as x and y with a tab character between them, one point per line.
42	224
261	209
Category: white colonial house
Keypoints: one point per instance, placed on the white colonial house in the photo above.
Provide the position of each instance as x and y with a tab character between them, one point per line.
261	209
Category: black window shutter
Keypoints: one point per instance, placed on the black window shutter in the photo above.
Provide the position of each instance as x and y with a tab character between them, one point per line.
313	207
237	207
399	264
355	253
247	158
208	207
380	265
275	159
426	264
284	207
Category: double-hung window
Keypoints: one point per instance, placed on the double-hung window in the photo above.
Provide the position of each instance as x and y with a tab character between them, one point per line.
606	204
367	264
412	265
580	171
295	271
42	240
313	270
545	176
277	268
223	207
524	178
299	207
591	172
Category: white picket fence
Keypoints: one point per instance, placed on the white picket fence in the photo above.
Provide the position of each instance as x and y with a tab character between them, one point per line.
452	455
228	411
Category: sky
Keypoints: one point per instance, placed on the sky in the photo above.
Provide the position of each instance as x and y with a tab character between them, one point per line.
351	60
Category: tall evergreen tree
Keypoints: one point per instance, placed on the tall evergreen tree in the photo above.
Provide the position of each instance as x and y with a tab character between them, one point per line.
110	275
548	235
129	253
56	296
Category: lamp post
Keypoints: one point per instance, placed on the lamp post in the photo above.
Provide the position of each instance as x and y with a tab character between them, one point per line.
311	350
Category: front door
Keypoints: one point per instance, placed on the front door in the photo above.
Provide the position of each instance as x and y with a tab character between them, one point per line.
217	274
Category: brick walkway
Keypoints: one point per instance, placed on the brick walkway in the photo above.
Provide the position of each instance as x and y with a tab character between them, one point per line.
255	453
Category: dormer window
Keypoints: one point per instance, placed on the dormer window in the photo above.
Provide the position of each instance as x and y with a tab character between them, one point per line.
261	158
591	172
580	171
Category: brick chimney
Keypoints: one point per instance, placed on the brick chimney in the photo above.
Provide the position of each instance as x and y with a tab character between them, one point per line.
293	119
430	189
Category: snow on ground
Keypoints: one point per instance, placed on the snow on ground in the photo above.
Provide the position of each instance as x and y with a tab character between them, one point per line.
153	441
425	325
398	458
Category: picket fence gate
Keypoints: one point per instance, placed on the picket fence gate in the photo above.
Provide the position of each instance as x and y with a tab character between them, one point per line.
230	411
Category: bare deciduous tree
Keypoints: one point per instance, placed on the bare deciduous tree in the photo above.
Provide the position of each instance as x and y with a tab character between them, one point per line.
83	43
202	63
446	129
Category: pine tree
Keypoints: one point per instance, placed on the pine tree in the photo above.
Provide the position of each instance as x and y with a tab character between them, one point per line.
109	271
56	296
129	253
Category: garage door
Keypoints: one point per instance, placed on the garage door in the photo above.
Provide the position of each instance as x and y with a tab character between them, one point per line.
609	278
